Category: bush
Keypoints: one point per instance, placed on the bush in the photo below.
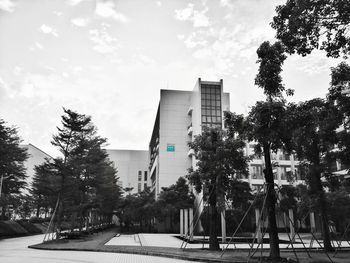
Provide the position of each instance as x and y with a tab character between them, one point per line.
11	229
31	228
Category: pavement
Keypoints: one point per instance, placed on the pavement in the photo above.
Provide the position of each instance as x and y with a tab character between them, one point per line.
15	250
166	245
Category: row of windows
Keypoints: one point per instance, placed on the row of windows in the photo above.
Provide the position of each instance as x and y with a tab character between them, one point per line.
211	112
210	89
286	172
144	176
211	103
211	119
211	96
139	187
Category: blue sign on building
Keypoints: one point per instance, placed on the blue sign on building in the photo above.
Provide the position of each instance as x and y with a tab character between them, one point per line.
170	148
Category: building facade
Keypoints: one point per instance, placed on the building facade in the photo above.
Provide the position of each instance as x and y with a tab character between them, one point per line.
180	117
132	169
35	157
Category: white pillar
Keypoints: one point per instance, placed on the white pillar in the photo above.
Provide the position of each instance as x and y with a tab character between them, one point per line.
186	222
291	224
223	226
257	218
312	222
181	222
190	211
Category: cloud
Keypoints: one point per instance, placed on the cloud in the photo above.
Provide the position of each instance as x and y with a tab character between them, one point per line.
315	63
7	5
159	3
80	21
184	14
104	42
75	2
58	13
48	30
192	41
198	18
38	45
106	9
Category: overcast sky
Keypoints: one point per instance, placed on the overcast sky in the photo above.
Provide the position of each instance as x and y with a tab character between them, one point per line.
109	59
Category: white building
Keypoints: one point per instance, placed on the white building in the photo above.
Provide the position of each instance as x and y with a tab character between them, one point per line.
180	116
35	157
132	167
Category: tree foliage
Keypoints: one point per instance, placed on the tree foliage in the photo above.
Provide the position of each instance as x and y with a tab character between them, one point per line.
305	25
314	125
137	211
171	199
265	124
220	159
83	180
339	97
12	170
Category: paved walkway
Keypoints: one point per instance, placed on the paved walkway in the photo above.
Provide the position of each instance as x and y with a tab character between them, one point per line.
166	245
15	250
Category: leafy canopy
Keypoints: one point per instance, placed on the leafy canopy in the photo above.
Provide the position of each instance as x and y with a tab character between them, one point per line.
305	25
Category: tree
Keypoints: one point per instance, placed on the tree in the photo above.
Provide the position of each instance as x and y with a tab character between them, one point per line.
44	187
220	158
265	125
171	199
305	25
137	209
339	97
314	125
83	180
12	170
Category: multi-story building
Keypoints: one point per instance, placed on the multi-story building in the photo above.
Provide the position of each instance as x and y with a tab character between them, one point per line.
180	117
132	169
35	157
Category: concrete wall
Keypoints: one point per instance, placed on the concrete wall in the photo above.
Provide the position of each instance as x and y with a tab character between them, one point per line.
174	120
128	164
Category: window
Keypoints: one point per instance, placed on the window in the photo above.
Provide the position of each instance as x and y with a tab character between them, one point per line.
140	176
211	105
257	172
139	187
145	176
144	186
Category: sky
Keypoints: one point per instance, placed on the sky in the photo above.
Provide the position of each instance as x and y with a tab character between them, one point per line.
110	58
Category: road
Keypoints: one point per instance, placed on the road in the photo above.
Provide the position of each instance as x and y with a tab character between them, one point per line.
15	250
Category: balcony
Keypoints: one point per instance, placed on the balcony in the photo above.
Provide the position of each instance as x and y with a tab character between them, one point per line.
189	130
190	153
189	112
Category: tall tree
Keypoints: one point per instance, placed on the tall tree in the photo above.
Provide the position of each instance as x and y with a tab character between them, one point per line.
12	170
339	97
220	158
83	178
265	125
305	25
314	125
73	126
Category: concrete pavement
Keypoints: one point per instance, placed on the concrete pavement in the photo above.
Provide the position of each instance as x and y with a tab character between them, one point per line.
15	250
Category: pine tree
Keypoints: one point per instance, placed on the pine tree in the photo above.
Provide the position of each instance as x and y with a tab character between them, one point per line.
12	170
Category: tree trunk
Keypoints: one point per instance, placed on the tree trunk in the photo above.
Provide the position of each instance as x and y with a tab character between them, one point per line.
37	210
270	205
213	214
317	191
